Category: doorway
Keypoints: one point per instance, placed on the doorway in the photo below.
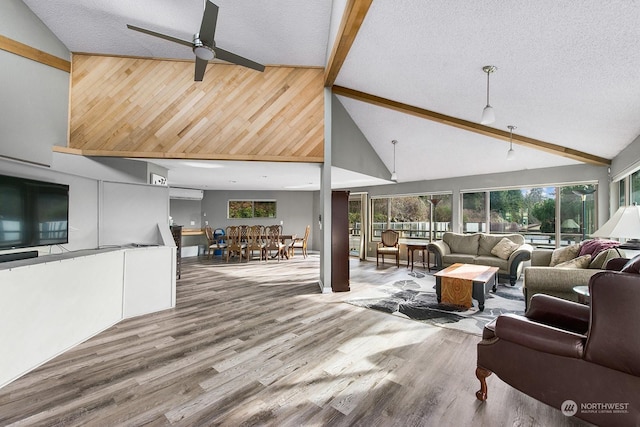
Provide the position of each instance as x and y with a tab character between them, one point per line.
357	231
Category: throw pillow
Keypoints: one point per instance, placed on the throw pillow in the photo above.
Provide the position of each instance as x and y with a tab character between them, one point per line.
566	253
504	248
580	262
600	261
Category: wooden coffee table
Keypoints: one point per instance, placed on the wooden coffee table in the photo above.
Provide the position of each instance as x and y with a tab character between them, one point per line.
481	277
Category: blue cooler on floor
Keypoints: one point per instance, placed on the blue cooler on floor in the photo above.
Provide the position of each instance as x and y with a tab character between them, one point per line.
217	234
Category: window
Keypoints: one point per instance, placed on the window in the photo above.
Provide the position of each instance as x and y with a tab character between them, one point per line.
473	212
621	193
251	209
635	187
412	216
532	212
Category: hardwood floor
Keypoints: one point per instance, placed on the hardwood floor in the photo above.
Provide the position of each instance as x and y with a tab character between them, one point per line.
258	344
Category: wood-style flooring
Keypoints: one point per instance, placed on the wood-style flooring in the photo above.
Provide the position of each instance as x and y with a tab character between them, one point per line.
258	344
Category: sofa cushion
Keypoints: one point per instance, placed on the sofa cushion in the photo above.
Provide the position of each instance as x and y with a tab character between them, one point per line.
504	248
492	261
563	254
462	243
579	262
600	261
489	241
461	258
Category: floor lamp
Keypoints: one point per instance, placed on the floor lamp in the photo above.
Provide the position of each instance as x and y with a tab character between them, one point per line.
583	195
434	202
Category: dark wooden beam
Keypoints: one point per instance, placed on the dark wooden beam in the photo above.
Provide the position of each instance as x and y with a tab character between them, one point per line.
472	127
354	14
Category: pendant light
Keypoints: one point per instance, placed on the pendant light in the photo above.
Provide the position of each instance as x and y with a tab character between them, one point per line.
488	116
394	176
511	154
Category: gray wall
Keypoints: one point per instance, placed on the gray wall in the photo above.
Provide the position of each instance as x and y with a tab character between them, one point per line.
35	97
350	149
627	161
294	208
184	212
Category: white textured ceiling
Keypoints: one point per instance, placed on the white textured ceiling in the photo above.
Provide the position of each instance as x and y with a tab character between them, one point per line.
568	72
236	175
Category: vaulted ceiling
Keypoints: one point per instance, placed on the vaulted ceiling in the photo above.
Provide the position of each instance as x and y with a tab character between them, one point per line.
566	78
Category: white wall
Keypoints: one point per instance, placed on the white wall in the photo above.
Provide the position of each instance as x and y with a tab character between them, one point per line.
50	305
47	308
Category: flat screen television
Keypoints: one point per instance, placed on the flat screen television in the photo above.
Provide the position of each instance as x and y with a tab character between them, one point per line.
32	213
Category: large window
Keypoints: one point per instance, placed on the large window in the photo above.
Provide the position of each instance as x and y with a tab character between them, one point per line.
533	212
251	209
414	217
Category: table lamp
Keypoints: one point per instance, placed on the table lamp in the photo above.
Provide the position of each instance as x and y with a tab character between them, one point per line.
624	224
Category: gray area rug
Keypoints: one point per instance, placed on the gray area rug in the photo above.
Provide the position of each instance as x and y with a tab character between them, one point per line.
415	298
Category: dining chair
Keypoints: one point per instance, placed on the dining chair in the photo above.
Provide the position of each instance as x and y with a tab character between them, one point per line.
300	243
255	241
274	242
234	243
214	242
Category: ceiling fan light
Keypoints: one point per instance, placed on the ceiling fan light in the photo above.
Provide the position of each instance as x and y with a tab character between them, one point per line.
488	115
204	52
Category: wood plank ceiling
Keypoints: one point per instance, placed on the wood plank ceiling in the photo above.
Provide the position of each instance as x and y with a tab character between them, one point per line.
152	108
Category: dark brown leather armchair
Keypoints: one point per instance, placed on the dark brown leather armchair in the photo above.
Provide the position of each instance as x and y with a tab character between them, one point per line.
562	351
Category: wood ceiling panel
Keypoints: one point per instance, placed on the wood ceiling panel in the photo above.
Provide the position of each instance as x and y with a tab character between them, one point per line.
152	108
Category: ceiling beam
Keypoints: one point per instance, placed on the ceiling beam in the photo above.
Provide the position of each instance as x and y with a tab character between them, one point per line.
34	54
352	19
472	127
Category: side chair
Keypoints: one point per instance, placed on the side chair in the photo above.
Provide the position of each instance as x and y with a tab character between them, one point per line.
235	243
388	246
255	241
300	243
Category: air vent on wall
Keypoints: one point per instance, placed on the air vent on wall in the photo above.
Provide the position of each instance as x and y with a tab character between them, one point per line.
185	193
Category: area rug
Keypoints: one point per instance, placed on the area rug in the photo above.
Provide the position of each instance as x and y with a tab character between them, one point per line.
415	298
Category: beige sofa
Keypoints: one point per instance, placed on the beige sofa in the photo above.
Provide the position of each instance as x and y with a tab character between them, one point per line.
540	278
476	249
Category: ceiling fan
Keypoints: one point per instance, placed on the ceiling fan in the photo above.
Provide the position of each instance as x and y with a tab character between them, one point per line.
203	44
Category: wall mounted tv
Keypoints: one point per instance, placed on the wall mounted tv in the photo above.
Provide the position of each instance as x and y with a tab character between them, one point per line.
32	213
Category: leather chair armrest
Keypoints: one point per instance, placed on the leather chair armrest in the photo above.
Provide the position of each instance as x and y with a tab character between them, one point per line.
559	313
520	330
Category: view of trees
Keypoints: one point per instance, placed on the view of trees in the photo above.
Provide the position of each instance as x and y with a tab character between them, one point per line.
252	209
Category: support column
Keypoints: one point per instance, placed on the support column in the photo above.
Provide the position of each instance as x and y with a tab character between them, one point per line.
325	200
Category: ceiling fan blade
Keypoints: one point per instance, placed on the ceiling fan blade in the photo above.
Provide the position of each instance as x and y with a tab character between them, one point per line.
162	36
201	67
208	25
237	59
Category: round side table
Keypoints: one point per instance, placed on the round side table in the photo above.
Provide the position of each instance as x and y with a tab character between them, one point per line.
583	294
